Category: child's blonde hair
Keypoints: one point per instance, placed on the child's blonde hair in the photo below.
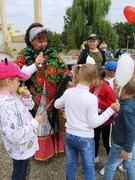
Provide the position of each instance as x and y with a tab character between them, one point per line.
130	87
87	72
75	73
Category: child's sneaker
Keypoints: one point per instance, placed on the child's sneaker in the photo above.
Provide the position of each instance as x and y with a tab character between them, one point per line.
102	171
121	168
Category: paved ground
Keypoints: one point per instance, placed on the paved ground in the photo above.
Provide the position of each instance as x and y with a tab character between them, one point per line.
53	169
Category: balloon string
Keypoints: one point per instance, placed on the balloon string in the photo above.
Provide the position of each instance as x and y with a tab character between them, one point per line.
119	93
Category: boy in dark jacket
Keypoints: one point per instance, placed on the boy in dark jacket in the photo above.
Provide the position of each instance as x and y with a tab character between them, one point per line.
123	134
92	51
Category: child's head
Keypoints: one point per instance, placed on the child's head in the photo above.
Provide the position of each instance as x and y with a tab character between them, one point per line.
101	72
129	88
10	76
110	68
100	76
74	56
127	91
85	73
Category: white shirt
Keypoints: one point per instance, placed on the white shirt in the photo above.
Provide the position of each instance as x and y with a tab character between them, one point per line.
81	111
18	128
110	81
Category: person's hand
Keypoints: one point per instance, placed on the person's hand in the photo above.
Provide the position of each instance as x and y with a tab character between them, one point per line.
39	59
39	117
95	94
69	85
99	110
124	155
25	93
115	106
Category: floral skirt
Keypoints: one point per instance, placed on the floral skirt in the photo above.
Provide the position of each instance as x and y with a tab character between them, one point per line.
49	146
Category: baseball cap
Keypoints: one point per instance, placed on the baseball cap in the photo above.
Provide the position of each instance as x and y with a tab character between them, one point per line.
111	65
11	69
94	36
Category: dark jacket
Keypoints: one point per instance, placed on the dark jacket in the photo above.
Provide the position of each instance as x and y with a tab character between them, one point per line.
118	53
83	56
124	126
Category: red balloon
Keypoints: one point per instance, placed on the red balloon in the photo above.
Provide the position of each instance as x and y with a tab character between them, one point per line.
129	13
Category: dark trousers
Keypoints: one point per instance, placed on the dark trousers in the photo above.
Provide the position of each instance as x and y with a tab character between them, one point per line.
20	169
105	136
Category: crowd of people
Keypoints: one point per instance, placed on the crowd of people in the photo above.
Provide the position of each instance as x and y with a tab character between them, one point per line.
108	51
92	100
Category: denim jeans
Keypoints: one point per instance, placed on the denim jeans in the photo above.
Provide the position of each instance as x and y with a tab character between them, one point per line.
86	147
114	160
133	155
20	169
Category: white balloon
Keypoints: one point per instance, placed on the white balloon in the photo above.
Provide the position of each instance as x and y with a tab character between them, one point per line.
124	70
90	60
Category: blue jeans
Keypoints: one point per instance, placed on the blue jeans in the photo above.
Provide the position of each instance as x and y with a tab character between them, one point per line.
20	169
114	160
86	147
133	155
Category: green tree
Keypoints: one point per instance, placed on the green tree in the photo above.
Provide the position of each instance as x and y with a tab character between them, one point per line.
82	15
106	32
55	41
124	30
68	40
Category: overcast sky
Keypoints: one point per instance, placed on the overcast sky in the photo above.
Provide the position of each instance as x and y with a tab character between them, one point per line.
21	13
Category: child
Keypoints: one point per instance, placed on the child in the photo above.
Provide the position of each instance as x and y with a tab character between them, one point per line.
106	97
18	128
110	68
81	110
123	134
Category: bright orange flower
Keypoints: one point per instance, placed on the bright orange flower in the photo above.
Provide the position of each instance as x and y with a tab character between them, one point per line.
32	89
51	70
46	56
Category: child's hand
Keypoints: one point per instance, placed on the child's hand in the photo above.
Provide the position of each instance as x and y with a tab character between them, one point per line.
95	94
124	155
69	85
39	117
115	106
99	110
25	93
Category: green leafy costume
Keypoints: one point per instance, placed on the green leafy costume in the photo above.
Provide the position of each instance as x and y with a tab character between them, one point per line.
53	72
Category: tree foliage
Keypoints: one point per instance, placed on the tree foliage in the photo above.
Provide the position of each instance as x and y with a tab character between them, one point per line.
68	40
87	17
125	30
55	41
106	32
